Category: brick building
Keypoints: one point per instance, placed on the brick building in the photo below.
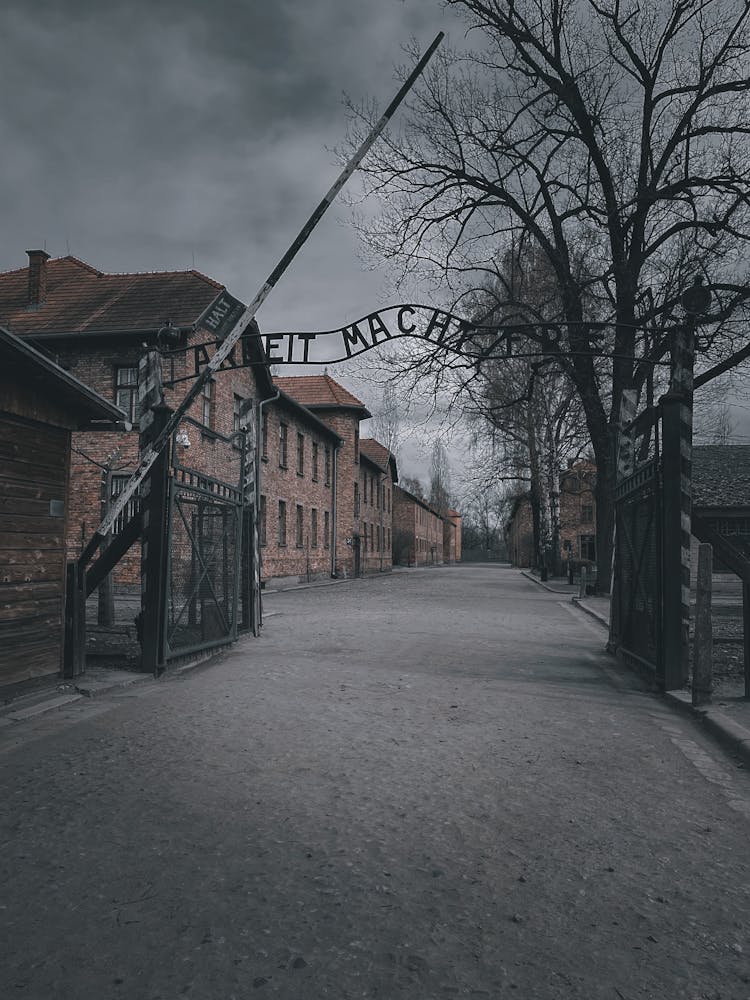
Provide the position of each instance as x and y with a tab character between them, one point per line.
341	412
298	478
40	404
97	326
578	511
373	506
417	531
519	532
452	537
577	519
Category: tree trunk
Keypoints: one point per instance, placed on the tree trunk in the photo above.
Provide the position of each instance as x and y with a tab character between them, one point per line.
605	510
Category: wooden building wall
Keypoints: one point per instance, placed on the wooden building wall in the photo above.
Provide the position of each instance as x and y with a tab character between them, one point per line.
34	461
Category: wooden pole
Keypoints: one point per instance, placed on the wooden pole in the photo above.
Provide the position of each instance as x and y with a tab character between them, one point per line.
703	647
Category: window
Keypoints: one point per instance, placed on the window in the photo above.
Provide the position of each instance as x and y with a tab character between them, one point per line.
282	522
283	438
389	500
364	488
328	466
356	499
300	454
236	413
356	443
126	391
588	547
300	526
314	528
262	520
315	461
207	403
326	529
264	435
587	513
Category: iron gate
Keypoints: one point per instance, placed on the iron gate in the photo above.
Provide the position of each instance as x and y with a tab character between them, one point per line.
637	597
204	563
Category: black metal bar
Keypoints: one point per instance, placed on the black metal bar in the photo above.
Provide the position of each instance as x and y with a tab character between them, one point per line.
732	361
671	678
113	553
148	456
154	552
74	646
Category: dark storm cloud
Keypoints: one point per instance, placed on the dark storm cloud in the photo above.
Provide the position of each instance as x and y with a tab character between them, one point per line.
157	135
144	133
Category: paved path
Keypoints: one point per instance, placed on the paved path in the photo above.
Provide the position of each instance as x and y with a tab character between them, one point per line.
420	786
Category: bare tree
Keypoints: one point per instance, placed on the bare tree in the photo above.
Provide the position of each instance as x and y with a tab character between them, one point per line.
440	478
387	422
413	485
606	131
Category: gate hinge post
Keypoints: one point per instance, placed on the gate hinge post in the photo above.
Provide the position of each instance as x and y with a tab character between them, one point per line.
155	501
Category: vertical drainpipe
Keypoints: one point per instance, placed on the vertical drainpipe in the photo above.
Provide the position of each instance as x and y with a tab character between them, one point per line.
334	508
258	464
382	526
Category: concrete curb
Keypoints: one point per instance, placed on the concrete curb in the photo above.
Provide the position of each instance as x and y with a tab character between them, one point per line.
94	687
730	734
579	601
552	590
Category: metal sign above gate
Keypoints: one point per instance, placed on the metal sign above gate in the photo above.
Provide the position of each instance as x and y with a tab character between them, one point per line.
438	327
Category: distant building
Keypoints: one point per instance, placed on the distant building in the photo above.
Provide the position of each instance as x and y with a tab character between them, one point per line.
341	412
577	519
373	506
519	532
417	531
452	537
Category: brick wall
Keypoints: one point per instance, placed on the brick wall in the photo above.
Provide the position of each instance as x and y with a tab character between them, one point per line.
345	423
577	518
375	523
417	531
578	511
452	537
96	363
313	493
519	534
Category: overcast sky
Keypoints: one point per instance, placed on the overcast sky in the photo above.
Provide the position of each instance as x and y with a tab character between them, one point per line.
165	135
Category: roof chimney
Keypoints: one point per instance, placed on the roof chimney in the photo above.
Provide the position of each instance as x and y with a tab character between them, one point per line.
37	276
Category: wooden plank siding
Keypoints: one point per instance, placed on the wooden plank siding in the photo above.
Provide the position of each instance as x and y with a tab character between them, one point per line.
34	462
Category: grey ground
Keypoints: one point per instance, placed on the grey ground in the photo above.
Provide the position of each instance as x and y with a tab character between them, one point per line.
431	784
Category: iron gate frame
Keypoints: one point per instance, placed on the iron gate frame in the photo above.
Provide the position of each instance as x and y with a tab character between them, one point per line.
645	481
230	498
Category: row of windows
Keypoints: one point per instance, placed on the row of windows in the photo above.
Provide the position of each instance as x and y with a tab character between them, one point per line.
301	455
126	397
313	538
373	536
380	496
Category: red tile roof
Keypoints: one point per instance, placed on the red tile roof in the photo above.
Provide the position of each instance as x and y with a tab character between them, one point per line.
80	299
318	392
376	452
